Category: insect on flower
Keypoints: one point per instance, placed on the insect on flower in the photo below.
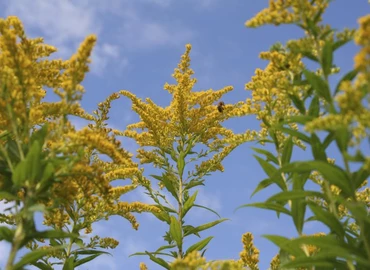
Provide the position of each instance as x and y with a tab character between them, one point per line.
221	106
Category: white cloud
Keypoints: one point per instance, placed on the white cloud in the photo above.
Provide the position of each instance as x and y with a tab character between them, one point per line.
210	200
102	55
138	34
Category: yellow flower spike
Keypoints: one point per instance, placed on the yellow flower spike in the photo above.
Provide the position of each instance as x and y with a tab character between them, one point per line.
143	266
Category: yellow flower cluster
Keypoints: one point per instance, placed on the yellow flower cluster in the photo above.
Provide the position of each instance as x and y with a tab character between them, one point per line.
250	254
191	118
195	262
353	98
83	193
271	88
288	11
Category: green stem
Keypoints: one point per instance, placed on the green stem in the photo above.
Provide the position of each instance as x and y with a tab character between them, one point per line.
18	238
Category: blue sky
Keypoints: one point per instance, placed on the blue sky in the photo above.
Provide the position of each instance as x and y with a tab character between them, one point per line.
139	44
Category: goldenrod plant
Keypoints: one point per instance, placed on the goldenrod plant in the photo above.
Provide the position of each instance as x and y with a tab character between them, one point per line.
298	106
186	141
46	165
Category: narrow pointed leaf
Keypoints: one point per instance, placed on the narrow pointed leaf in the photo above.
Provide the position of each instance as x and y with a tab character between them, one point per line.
199	246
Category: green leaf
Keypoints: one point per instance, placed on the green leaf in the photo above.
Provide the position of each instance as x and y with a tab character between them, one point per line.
294	195
340	43
205	226
33	256
199	246
193	183
298	103
176	231
360	176
168	184
314	109
87	259
327	58
286	244
299	119
181	163
164	248
332	173
163	216
42	266
6	234
159	261
287	151
269	156
327	218
309	55
50	234
189	203
318	151
313	261
270	170
267	205
209	209
298	208
347	77
46	181
327	141
321	86
90	252
262	185
342	138
33	161
7	196
69	264
295	133
20	176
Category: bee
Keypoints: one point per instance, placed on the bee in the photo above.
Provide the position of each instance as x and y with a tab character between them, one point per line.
221	106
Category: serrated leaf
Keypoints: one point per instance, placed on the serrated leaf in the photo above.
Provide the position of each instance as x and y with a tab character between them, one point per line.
199	246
